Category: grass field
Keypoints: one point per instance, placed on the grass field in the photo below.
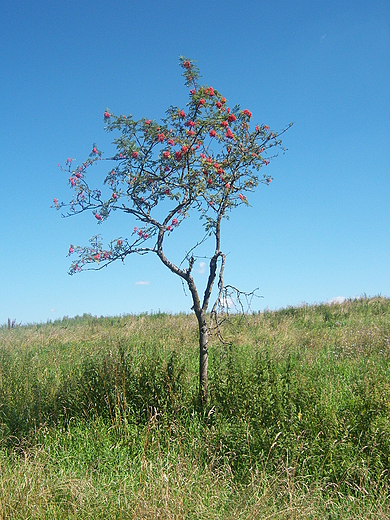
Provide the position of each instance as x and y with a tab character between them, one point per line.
100	419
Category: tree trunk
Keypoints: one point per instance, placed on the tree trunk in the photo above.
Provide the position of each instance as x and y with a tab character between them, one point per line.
203	356
200	311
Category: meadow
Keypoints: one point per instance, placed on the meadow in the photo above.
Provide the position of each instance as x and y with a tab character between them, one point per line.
100	417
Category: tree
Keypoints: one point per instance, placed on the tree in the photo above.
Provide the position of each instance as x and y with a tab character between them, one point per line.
202	159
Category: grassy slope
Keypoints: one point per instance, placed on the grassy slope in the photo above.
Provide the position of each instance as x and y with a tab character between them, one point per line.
99	417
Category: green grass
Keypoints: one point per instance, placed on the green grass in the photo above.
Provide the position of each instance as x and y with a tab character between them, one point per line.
99	417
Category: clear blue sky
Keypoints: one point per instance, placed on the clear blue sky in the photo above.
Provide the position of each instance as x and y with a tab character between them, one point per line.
320	230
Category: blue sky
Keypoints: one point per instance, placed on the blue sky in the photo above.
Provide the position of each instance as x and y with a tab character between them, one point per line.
320	230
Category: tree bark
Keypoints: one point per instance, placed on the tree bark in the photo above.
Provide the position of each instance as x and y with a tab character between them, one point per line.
203	356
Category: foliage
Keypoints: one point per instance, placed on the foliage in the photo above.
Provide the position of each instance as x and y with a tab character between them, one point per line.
204	158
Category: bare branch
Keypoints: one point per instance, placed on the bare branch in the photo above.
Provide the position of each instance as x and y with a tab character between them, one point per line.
230	301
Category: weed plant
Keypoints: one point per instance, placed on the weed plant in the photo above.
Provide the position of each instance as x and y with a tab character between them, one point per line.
100	418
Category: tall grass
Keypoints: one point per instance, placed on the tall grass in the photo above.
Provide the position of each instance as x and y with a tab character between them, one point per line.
99	417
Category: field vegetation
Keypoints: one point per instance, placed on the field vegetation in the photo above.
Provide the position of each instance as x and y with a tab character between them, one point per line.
100	417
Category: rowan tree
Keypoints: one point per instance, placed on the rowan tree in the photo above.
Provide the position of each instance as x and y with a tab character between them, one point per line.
205	158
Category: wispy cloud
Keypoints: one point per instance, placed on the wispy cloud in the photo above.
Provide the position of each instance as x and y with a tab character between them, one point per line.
202	267
142	282
228	302
338	299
